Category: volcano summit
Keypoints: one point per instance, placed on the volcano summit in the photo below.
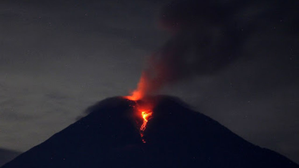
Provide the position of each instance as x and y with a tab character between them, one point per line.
175	135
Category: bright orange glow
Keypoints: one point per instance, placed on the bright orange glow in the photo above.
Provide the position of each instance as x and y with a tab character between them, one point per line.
145	109
145	116
139	93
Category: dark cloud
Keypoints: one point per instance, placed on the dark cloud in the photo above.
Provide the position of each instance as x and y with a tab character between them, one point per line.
208	36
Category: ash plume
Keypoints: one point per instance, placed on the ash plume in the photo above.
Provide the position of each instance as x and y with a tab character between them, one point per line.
207	36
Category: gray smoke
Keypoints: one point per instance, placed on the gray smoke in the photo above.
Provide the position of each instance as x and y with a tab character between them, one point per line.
207	36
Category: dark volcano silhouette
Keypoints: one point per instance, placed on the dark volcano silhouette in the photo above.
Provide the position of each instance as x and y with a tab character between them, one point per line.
7	155
176	137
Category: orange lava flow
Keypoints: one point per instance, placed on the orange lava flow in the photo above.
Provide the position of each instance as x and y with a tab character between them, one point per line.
144	109
145	112
145	116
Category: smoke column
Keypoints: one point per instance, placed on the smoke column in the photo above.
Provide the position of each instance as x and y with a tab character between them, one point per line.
206	37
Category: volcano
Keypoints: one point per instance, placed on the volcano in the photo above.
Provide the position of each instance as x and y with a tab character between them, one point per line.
176	137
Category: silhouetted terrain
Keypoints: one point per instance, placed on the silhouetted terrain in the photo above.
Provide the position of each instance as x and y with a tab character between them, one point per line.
7	155
176	136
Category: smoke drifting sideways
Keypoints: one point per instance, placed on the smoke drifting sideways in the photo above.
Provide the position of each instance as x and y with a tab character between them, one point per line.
207	36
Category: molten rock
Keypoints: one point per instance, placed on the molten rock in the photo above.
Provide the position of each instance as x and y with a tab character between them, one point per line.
175	135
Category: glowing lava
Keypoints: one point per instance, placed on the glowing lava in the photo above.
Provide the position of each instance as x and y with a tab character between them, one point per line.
145	116
145	112
145	108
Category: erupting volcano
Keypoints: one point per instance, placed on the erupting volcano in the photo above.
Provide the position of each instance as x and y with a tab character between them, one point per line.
176	137
144	110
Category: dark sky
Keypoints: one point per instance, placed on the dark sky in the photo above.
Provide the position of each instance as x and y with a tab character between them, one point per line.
57	58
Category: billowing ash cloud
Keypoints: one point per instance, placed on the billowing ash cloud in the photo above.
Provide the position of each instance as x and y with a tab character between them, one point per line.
207	36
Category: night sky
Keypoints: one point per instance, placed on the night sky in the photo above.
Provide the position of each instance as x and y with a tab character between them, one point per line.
59	57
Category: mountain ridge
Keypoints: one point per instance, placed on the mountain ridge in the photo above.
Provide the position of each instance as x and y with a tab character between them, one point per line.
176	136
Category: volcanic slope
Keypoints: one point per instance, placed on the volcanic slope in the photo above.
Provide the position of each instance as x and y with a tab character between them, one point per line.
7	155
176	137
